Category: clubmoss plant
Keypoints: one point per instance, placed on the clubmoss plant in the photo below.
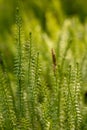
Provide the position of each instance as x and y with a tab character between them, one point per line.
29	104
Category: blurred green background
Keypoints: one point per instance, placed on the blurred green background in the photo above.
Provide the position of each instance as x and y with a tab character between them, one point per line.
43	18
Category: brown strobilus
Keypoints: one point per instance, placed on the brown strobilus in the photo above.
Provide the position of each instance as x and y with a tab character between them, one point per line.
54	60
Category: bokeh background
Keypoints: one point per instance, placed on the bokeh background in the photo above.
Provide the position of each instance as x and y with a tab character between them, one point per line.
44	19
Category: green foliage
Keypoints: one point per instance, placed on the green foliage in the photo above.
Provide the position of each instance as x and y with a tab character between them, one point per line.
29	103
45	94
